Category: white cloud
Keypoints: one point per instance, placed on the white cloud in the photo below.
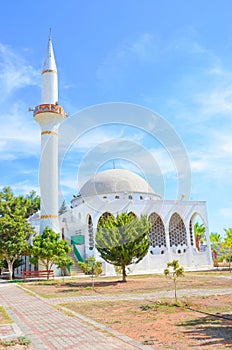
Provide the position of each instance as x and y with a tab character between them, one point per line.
20	134
212	157
226	212
15	72
143	49
214	102
24	187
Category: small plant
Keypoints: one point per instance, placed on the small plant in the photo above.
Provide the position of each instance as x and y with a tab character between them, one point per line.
24	341
145	307
17	341
91	267
148	342
174	270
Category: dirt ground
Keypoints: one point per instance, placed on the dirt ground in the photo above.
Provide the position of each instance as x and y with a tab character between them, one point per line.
134	284
163	326
156	322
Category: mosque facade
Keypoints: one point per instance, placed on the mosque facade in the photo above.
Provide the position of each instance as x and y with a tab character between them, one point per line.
110	192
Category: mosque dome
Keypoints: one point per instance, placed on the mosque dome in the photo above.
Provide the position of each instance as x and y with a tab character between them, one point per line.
116	181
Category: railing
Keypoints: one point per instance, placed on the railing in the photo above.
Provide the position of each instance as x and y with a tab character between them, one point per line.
48	107
77	254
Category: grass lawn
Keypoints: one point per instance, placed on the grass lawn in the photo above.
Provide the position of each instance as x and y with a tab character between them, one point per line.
4	317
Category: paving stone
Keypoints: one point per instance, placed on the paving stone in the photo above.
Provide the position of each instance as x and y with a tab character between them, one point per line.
49	328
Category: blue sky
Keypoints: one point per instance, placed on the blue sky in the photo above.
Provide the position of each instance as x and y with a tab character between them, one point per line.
173	57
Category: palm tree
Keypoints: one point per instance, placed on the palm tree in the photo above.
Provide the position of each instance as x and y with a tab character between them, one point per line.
199	233
175	272
227	245
215	240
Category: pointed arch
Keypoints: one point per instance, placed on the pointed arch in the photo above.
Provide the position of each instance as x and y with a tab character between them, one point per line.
103	217
193	238
157	234
177	231
131	213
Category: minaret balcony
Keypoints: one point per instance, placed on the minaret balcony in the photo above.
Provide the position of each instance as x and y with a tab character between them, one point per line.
49	108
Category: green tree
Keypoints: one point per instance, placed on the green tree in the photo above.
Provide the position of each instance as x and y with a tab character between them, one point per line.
123	240
63	208
62	262
174	270
14	227
215	240
226	249
199	233
14	234
91	267
14	206
48	249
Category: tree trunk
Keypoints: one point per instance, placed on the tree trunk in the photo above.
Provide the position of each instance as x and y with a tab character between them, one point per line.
92	281
124	273
175	289
215	262
198	242
47	268
10	268
62	273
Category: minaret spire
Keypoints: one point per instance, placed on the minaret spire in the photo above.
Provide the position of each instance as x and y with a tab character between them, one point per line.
49	76
49	62
49	114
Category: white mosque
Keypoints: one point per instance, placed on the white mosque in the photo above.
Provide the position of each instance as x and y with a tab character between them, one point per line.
111	192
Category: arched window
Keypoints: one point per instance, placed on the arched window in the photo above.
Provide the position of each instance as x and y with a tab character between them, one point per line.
197	232
177	231
103	218
132	214
90	233
157	233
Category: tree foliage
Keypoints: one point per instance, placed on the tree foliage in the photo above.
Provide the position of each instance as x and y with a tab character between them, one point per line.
91	267
199	233
63	208
215	240
14	227
49	249
123	240
62	262
13	206
174	270
226	246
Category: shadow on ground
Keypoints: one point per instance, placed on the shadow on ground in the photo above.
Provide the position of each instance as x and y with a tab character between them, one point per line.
210	330
74	286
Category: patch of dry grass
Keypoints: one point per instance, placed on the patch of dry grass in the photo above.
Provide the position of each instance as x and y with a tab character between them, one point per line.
4	317
135	284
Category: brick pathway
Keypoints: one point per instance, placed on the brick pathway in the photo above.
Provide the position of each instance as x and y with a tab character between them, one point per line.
51	329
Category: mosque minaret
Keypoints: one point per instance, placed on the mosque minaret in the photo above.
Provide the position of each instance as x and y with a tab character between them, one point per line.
49	114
